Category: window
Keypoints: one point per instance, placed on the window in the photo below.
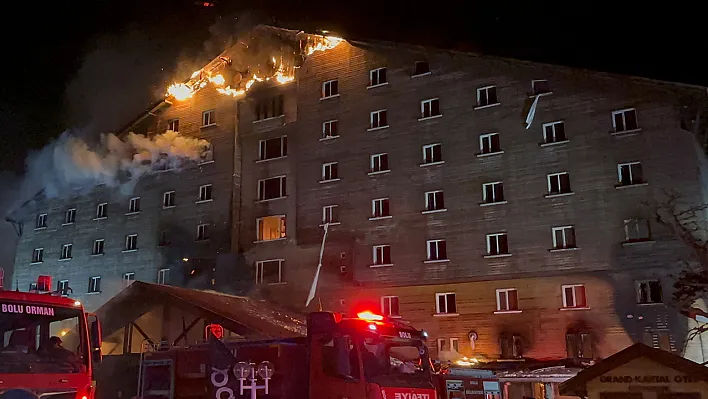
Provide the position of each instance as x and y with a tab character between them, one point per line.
487	96
497	244
329	171
271	188
554	132
202	232
208	118
134	205
507	299
379	163
445	303
63	287
649	291
272	148
430	108
432	153
205	193
442	345
380	208
421	68
65	251
389	306
330	88
38	255
270	107
559	183
98	247
163	239
578	345
489	143
128	278
540	86
101	211
382	255
94	284
455	345
434	201
173	124
636	230
493	192
168	199
131	242
377	77
378	120
207	154
270	228
269	271
70	216
563	237
510	346
574	296
330	214
630	173
163	276
437	250
625	120
41	221
330	129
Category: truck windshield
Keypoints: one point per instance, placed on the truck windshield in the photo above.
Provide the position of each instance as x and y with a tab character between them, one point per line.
41	339
382	357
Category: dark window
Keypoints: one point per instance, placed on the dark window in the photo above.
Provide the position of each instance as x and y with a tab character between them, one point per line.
493	192
540	86
94	284
559	183
330	89
554	132
377	77
269	107
625	120
497	244
487	96
389	306
421	67
432	153
578	345
437	250
429	108
434	200
489	143
511	346
271	188
649	291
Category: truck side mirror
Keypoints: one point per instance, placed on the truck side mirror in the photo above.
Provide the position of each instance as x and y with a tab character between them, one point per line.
95	338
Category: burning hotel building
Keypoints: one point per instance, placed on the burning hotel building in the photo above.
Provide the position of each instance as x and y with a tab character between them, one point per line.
498	204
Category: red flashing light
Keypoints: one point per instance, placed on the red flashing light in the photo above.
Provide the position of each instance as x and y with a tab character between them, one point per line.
370	316
214	329
44	283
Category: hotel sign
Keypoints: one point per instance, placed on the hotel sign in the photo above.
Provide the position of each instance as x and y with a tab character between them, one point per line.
646	379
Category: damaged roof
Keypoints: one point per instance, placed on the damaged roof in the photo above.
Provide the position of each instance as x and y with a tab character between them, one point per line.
243	315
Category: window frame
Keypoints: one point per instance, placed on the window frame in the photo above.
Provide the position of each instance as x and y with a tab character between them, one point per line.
540	93
429	104
99	249
373	160
101	206
564	245
446	295
554	133
208	193
171	124
557	175
632	180
649	301
260	271
494	200
388	310
208	116
332	83
168	195
40	258
66	252
133	205
385	248
43	217
624	120
505	292
324	169
94	286
263	146
380	205
427	71
163	276
330	129
69	216
63	287
637	222
330	211
282	227
282	184
486	89
575	296
438	257
378	119
377	72
431	148
488	137
125	278
498	246
203	232
131	238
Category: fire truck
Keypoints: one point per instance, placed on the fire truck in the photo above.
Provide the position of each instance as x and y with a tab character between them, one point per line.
362	357
49	345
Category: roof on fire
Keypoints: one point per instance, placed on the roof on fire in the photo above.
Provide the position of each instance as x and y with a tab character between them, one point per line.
242	315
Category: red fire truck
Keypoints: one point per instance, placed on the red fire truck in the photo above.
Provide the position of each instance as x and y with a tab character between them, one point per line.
363	357
49	345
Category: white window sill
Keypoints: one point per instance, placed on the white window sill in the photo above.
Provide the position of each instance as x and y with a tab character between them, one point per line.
129	250
132	213
381	217
559	195
101	218
394	316
430	261
278	283
497	256
94	293
445	314
206	162
563	249
554	143
329	181
640	242
493	203
487	106
434	211
373	129
40	228
329	97
508	311
328	138
64	259
378	85
271	240
168	207
623	186
419	75
269	119
37	263
534	95
425	118
489	154
379	172
431	163
67	224
203	201
651	304
578	308
331	224
271	199
381	265
626	132
271	159
101	254
206	126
